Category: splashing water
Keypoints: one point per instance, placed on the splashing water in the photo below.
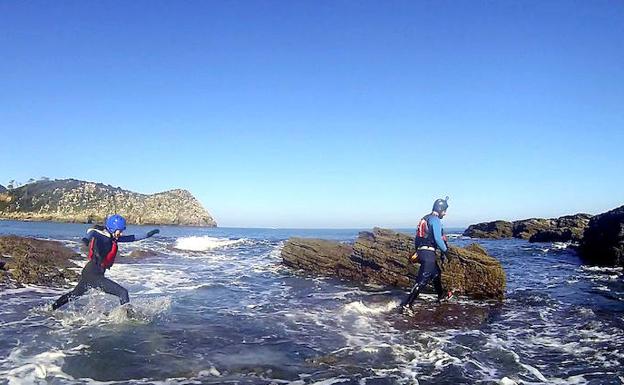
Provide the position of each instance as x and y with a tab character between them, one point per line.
217	306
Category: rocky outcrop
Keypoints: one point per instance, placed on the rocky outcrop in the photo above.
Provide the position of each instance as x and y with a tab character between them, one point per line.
2	189
382	257
563	229
603	240
37	262
71	200
495	230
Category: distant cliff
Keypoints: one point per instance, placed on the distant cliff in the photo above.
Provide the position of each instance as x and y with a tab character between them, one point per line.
70	200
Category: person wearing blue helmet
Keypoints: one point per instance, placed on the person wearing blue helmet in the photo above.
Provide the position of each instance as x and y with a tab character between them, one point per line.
102	245
429	238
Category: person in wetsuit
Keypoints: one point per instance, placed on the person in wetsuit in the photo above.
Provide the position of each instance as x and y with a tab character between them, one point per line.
429	238
102	242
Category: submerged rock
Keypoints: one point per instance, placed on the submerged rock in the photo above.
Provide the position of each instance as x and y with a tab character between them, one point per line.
382	257
37	262
568	228
603	240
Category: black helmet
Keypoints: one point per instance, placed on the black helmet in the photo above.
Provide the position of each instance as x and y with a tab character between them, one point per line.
440	205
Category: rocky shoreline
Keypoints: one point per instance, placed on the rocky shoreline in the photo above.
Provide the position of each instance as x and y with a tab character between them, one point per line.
382	257
76	201
30	261
600	238
568	228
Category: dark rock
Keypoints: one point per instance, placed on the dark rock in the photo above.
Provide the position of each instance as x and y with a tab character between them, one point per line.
2	189
320	256
138	254
526	228
38	262
563	229
496	230
603	240
382	257
559	235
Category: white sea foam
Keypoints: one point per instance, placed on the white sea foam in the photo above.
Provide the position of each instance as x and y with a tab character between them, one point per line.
602	269
205	243
331	381
360	308
562	245
36	369
95	309
154	278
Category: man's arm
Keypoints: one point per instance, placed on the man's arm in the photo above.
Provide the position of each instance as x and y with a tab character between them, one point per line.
133	238
436	227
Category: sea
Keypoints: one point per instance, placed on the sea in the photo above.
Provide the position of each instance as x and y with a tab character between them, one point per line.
217	306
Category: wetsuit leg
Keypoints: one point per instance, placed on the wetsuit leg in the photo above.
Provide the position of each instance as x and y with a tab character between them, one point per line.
112	287
426	272
79	290
437	284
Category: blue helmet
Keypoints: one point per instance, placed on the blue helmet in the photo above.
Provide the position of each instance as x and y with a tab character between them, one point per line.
115	222
440	205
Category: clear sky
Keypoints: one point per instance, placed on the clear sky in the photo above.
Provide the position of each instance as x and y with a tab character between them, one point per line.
322	113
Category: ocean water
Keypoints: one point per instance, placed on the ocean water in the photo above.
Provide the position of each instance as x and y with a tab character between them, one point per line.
216	306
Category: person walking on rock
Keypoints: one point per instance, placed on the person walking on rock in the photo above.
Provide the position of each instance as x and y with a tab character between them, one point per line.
102	242
429	238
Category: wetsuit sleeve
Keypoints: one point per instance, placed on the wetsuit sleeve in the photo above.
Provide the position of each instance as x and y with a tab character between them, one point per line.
436	227
130	238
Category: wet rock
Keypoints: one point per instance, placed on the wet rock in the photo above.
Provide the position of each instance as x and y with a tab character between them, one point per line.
320	256
495	230
38	262
563	229
140	253
137	254
526	228
559	235
603	240
382	257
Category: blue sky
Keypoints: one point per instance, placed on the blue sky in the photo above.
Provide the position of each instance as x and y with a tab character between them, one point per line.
322	113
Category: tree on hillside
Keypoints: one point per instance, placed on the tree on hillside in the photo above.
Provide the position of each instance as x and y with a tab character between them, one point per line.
11	184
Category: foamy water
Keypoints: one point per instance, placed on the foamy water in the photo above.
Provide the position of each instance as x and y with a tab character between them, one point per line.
219	307
205	243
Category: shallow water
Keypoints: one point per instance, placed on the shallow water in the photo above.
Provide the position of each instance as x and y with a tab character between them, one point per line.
216	306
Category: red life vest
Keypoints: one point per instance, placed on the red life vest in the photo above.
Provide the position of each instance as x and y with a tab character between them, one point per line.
109	258
423	236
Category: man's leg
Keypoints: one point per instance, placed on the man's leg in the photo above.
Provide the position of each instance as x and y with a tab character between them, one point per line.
111	287
425	274
79	290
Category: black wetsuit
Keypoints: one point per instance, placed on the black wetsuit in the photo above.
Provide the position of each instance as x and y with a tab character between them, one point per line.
428	238
93	277
102	253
